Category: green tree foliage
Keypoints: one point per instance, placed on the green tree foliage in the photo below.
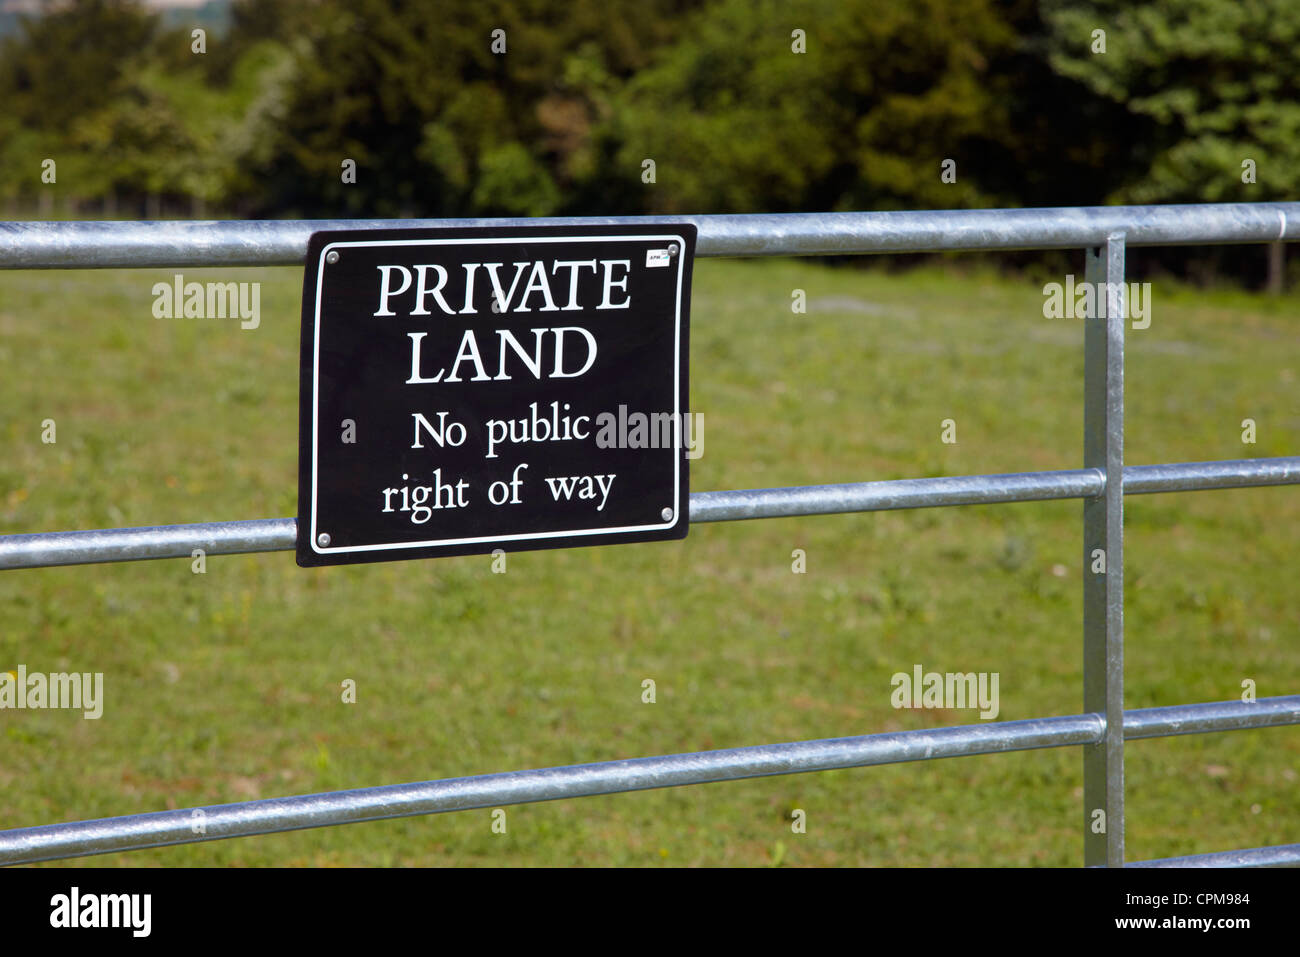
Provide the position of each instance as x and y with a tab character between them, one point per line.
1216	80
1064	145
71	60
736	120
251	23
436	122
126	109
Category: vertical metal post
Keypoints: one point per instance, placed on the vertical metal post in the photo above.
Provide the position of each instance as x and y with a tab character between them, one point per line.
1103	551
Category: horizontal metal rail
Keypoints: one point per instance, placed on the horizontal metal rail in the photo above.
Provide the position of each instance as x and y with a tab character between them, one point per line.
273	815
46	549
99	245
1283	855
1212	716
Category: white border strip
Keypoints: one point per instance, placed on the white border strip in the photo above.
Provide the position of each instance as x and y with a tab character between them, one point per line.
532	536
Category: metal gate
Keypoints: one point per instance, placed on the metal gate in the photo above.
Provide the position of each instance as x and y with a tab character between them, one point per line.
1101	729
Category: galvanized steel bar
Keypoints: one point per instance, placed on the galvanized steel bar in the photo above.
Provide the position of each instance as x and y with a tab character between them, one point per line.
987	489
1283	855
47	842
743	504
1211	716
1200	476
85	245
271	815
46	549
1103	555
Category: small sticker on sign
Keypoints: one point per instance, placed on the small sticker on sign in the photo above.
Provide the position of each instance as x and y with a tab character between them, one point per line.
657	257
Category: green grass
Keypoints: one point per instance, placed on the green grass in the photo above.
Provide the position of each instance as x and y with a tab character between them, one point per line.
226	686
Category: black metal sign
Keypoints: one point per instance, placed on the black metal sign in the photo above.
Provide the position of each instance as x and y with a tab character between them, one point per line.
464	390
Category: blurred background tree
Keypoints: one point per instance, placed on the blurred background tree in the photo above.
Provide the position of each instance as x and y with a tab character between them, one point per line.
1215	78
714	91
737	121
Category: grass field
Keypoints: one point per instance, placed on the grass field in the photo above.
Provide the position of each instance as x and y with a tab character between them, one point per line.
225	686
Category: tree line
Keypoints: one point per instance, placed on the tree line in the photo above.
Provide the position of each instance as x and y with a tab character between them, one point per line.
552	107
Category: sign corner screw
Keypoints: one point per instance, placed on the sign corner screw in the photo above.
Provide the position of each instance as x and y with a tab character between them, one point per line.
667	514
332	257
323	539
